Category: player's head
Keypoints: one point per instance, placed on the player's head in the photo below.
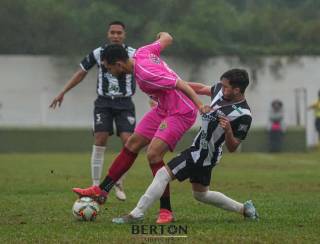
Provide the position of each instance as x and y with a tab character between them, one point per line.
234	83
115	59
276	105
319	94
116	32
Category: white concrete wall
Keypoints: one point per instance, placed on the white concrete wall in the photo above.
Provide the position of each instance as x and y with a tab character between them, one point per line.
29	83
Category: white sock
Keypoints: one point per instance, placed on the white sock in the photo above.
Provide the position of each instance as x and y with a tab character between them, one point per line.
97	158
219	200
120	181
153	193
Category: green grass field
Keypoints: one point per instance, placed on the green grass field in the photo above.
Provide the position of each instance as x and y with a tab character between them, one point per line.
36	201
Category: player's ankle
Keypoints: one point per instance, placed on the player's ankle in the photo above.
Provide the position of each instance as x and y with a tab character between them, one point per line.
165	203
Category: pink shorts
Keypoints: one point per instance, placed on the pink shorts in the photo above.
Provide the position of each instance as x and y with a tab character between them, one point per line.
170	129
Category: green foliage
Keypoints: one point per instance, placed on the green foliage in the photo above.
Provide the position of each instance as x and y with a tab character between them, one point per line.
201	28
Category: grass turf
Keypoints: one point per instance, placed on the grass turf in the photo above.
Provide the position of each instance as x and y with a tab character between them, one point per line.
36	201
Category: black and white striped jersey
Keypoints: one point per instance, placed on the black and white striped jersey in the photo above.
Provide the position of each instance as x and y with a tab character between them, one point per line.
107	84
207	146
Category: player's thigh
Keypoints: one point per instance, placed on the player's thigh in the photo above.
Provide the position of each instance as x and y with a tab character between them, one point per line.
136	142
125	121
180	166
149	124
103	120
201	175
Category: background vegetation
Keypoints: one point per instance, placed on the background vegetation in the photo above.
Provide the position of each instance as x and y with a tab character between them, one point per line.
201	28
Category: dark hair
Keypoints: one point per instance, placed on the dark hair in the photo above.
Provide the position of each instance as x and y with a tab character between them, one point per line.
113	53
237	78
116	22
276	103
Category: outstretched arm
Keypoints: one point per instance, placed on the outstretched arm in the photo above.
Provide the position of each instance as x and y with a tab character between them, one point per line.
75	80
165	39
200	89
186	89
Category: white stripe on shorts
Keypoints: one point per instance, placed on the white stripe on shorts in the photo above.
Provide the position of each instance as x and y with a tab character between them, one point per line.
180	166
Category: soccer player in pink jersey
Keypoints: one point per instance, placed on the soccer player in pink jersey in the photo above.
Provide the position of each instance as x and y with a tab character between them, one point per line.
162	127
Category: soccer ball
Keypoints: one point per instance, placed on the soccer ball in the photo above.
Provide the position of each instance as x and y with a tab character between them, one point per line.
85	209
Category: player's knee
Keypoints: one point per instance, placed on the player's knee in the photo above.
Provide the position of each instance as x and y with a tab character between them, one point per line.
199	196
124	136
133	144
101	139
153	156
163	175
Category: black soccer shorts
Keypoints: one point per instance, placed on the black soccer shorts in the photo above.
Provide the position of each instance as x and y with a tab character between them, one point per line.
317	124
106	112
183	167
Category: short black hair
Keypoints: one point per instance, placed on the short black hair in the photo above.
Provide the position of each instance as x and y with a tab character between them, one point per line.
237	78
113	53
277	103
116	22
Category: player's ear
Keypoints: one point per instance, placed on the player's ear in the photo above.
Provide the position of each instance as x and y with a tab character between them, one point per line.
237	90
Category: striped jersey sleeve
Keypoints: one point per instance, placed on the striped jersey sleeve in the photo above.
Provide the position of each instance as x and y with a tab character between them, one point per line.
91	59
241	126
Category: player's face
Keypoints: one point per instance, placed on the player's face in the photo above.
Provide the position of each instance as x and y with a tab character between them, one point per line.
229	93
116	34
116	69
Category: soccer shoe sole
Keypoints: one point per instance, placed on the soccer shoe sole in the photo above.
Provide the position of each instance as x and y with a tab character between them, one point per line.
126	220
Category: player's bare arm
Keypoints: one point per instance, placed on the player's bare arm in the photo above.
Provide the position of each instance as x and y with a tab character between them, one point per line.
186	89
152	103
75	80
200	88
165	39
232	142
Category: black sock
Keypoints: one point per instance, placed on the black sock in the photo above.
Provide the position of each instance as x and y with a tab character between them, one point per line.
165	203
107	184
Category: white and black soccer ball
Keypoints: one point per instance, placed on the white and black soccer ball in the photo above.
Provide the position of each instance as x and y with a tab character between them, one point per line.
85	208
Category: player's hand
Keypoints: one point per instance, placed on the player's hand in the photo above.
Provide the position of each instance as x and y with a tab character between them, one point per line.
158	35
152	103
205	109
161	33
57	101
224	123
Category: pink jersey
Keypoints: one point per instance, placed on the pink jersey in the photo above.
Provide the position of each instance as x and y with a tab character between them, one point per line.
156	79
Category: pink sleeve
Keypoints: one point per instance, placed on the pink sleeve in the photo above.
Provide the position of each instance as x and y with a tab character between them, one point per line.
158	78
154	48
